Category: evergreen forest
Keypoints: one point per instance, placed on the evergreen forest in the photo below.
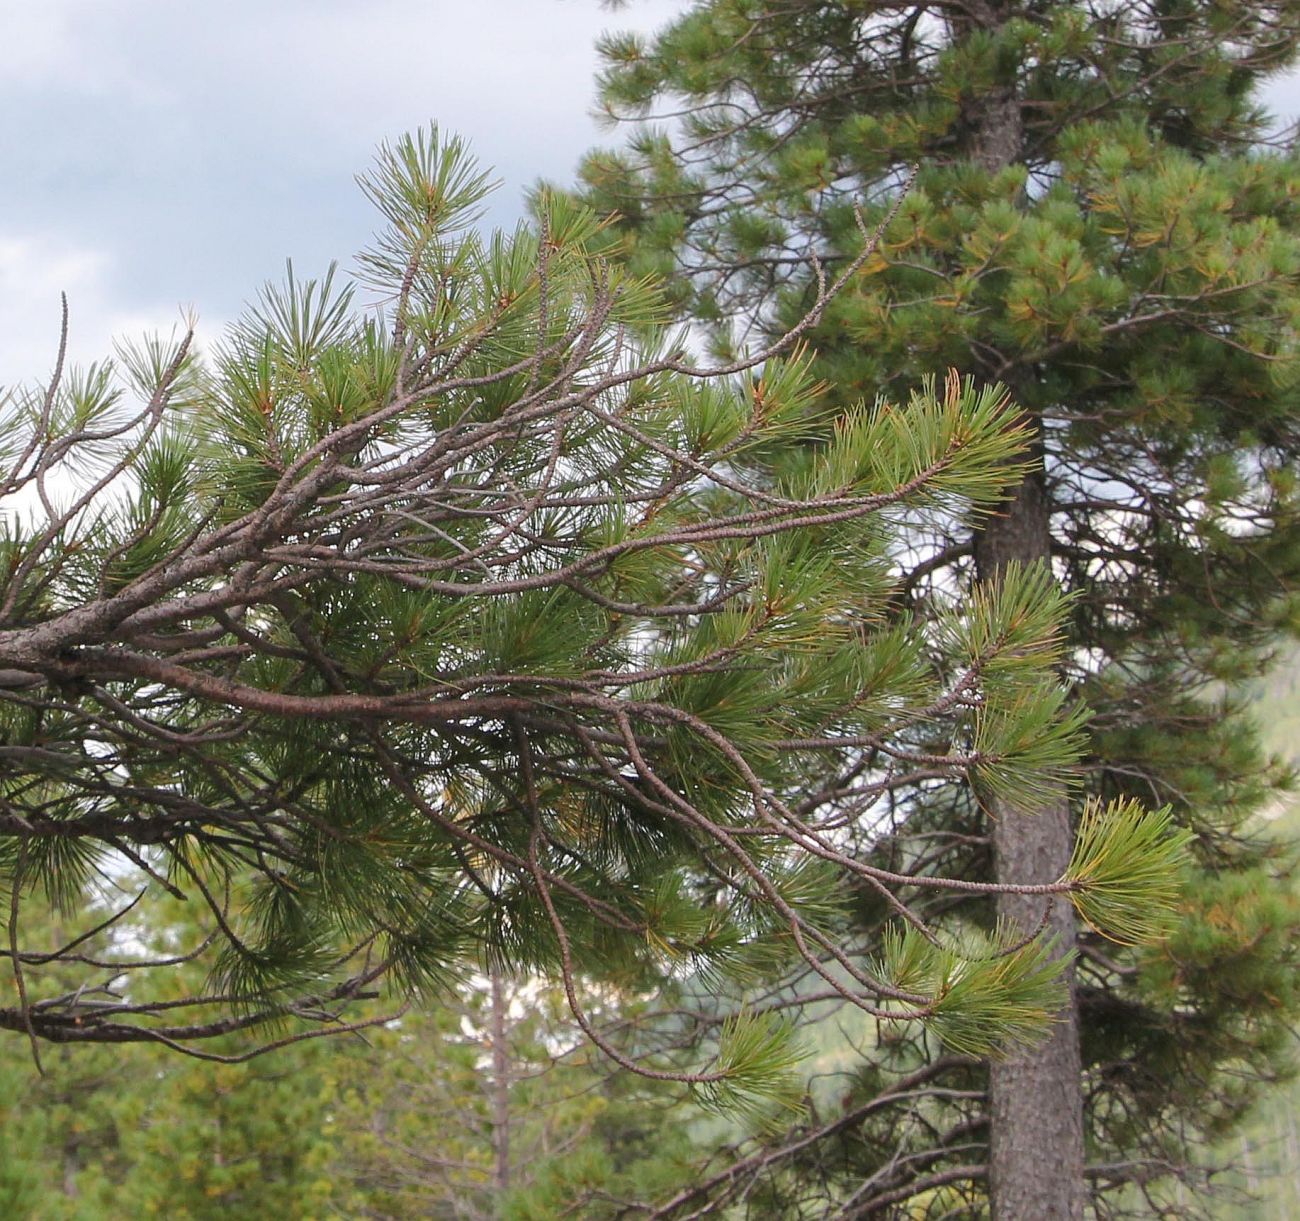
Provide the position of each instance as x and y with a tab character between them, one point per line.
767	690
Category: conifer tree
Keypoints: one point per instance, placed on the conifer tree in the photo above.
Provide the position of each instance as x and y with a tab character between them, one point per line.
399	1125
481	631
1096	221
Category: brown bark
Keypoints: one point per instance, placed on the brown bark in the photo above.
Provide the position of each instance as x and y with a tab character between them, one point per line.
1036	1095
1036	1157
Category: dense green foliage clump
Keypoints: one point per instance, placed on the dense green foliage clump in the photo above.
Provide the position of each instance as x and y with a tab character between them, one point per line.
481	634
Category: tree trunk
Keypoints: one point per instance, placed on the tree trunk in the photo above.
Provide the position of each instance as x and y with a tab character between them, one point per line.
1036	1095
500	1091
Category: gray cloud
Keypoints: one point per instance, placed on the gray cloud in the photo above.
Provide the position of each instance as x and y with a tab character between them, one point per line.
179	153
155	153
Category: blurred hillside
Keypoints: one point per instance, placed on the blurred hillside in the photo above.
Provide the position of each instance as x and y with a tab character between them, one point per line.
1265	1157
1277	706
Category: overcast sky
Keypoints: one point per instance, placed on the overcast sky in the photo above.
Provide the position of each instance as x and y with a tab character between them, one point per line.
155	153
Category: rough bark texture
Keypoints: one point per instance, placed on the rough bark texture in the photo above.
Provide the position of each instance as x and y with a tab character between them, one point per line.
1036	1129
1035	1096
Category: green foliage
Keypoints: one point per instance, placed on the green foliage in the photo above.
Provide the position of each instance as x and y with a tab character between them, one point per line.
400	1124
989	992
1124	865
1125	259
477	634
757	1055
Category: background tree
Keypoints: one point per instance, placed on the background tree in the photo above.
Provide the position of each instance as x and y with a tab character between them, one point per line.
1262	1153
108	1130
421	1126
474	635
399	1124
1097	222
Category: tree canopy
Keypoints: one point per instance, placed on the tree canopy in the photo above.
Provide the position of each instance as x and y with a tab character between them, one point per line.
1101	219
479	630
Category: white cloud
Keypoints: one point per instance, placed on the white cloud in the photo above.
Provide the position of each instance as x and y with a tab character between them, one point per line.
169	150
158	151
54	45
1281	98
41	45
34	270
516	75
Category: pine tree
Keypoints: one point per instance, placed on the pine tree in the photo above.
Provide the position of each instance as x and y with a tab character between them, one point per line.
1097	222
400	1124
482	632
135	1130
496	1106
